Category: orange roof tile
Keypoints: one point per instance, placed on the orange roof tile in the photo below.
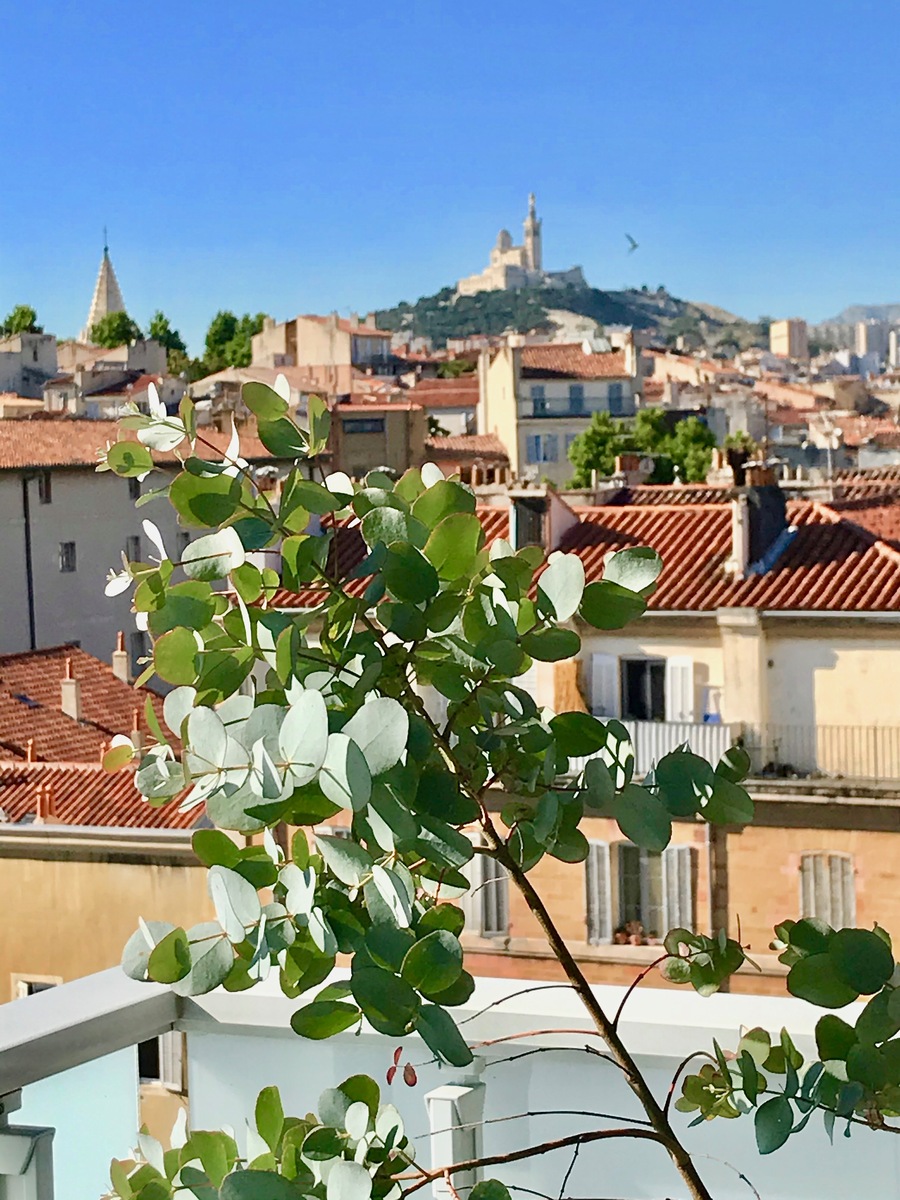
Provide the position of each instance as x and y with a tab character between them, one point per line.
467	445
447	393
84	794
570	360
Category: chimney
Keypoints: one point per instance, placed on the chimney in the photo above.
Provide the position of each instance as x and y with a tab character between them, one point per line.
29	750
759	527
45	808
70	694
121	667
136	735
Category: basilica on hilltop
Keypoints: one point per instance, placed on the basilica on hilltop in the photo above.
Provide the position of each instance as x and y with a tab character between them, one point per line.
519	266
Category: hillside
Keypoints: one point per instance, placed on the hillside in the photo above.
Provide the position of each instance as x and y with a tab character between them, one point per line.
445	315
866	312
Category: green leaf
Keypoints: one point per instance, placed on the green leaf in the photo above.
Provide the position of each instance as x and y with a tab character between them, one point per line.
347	860
390	524
212	958
834	1038
676	970
319	422
867	1064
389	1004
264	402
489	1189
205	500
877	1022
190	605
636	568
599	790
408	575
269	1116
815	979
324	1018
551	645
348	1181
323	1144
578	734
773	1122
684	781
607	605
434	962
175	656
260	1185
734	765
454	544
236	902
728	804
282	438
861	959
170	959
213	556
561	586
442	499
811	934
439	1033
298	492
345	778
380	729
129	459
643	818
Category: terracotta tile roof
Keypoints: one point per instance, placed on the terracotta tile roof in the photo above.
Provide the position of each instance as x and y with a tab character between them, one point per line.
467	445
83	794
30	699
570	361
857	430
128	387
656	493
378	406
447	393
831	564
43	441
348	550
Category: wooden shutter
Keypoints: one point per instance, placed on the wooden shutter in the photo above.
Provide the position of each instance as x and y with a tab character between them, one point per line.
604	685
678	876
843	891
807	888
598	901
653	893
171	1061
679	688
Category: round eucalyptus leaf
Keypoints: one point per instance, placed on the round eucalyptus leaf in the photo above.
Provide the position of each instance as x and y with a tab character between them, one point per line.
347	860
344	776
212	958
214	556
774	1121
380	729
636	568
389	1004
561	585
434	962
175	656
861	959
643	818
607	605
578	734
324	1018
348	1181
170	958
453	545
440	1034
815	979
136	955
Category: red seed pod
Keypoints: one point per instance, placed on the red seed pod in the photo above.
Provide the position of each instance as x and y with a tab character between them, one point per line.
410	1078
397	1054
391	1072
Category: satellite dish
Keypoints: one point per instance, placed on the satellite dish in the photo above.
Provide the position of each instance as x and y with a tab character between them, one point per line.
647	465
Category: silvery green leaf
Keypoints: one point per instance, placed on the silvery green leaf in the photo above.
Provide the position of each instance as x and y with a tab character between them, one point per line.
265	778
387	1122
163	434
211	959
235	900
392	888
152	1152
300	888
303	739
272	848
155	537
348	1181
431	474
356	1120
158	777
227	806
562	583
380	729
347	860
280	929
176	707
207	740
257	1146
344	776
136	955
321	932
263	723
339	483
213	556
234	710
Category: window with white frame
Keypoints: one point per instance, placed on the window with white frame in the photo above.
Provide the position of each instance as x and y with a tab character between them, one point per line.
542	448
161	1061
828	888
642	688
639	893
486	903
30	985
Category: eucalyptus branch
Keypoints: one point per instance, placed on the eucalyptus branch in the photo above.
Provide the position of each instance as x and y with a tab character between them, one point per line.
539	987
638	979
678	1072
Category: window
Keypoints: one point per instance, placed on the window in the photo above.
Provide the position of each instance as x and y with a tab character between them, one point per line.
655	890
597	905
828	889
538	400
542	447
161	1060
486	903
30	985
576	398
364	425
134	488
45	488
615	395
133	548
67	556
644	689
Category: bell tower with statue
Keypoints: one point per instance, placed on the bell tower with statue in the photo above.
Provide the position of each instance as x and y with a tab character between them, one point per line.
532	237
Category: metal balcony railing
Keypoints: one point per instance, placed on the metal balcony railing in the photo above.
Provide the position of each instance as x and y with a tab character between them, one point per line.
652	740
825	751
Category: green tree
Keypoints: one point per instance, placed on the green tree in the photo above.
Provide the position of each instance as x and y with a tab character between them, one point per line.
160	329
22	319
228	340
596	448
271	727
690	448
115	329
453	368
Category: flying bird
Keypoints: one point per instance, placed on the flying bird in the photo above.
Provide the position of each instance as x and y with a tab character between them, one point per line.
632	244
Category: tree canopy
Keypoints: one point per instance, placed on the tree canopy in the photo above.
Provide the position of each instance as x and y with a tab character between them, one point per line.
160	329
228	340
22	319
685	445
115	329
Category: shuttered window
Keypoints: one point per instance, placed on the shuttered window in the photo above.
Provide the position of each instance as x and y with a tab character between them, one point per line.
598	908
486	903
828	889
161	1060
604	685
656	889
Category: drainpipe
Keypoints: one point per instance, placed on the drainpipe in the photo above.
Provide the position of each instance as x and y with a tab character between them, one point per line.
29	569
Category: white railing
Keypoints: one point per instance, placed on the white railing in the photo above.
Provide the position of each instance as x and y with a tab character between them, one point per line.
652	740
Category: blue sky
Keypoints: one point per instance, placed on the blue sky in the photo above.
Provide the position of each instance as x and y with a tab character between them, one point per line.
304	156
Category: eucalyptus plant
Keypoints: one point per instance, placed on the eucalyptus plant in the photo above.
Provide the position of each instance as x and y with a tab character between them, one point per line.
395	696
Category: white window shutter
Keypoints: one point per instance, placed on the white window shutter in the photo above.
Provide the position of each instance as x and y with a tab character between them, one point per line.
528	683
679	688
171	1061
807	887
598	899
604	685
472	903
495	899
678	872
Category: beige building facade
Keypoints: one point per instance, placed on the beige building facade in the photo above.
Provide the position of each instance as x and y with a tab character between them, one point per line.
330	350
789	339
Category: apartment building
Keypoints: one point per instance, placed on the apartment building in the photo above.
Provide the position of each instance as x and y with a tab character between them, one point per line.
331	350
789	339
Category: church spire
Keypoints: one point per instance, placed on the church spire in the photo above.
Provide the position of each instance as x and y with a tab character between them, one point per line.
533	252
107	296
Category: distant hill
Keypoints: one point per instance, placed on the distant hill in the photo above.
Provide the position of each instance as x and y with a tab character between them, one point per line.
445	315
866	312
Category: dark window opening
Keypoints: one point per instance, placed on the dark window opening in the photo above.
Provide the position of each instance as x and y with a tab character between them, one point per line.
45	488
643	689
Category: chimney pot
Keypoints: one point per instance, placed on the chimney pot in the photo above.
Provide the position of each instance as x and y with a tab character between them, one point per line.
70	694
121	667
29	750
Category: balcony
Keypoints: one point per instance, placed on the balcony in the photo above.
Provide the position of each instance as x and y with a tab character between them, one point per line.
824	751
651	740
69	1056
